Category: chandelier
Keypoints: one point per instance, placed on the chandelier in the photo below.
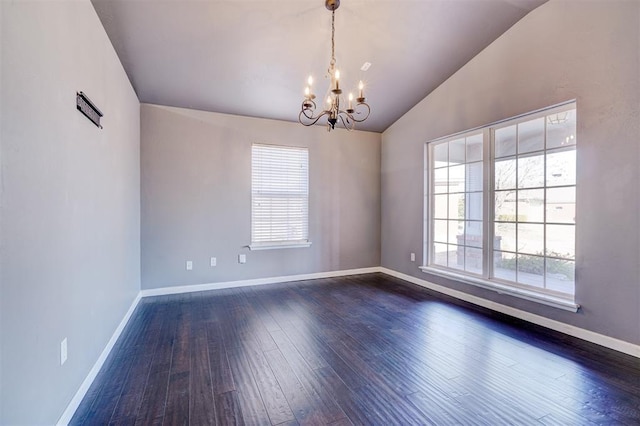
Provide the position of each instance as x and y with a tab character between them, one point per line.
356	112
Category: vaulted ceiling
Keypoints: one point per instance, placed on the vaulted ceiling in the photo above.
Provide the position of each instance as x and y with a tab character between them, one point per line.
252	57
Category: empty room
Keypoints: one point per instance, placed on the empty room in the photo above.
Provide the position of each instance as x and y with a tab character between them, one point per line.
319	212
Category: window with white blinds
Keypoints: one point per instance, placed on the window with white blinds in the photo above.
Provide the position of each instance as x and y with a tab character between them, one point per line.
279	196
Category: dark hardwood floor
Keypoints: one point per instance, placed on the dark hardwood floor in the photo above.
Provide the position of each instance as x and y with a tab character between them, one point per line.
367	349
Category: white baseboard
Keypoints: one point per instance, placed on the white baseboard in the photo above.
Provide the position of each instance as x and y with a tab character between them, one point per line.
580	333
86	384
258	281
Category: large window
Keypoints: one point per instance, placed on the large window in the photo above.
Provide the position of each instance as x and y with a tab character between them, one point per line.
279	196
501	204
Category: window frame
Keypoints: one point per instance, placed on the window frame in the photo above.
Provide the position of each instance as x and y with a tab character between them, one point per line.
279	244
487	279
430	203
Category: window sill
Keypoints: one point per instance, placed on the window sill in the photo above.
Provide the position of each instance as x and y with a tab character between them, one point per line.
279	245
545	299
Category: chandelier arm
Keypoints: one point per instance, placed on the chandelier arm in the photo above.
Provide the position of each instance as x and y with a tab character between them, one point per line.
346	114
306	108
313	120
347	124
368	110
306	114
308	105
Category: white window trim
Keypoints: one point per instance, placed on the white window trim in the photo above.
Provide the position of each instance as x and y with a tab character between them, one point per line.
513	289
271	245
509	289
279	245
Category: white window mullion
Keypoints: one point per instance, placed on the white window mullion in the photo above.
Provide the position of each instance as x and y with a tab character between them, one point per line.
427	245
544	212
489	201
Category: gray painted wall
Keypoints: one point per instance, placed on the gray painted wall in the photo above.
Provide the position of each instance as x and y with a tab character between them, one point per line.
584	50
196	197
70	219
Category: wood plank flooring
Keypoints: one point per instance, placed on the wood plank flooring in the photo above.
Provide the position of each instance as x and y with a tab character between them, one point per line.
366	349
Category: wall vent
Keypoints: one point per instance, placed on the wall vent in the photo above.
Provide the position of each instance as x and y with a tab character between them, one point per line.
85	106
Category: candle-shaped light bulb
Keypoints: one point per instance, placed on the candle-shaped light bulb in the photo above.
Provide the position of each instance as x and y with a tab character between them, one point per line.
307	92
337	75
329	100
310	81
350	100
361	87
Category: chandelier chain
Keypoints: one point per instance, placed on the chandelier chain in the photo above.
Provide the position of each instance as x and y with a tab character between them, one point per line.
333	32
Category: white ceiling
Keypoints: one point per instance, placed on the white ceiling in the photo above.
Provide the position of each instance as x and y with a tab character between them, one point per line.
252	57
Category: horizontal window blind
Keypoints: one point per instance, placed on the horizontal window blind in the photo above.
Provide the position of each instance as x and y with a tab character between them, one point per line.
279	194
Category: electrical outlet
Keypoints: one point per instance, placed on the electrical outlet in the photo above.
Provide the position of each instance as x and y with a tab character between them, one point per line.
63	351
413	257
242	258
214	261
189	265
